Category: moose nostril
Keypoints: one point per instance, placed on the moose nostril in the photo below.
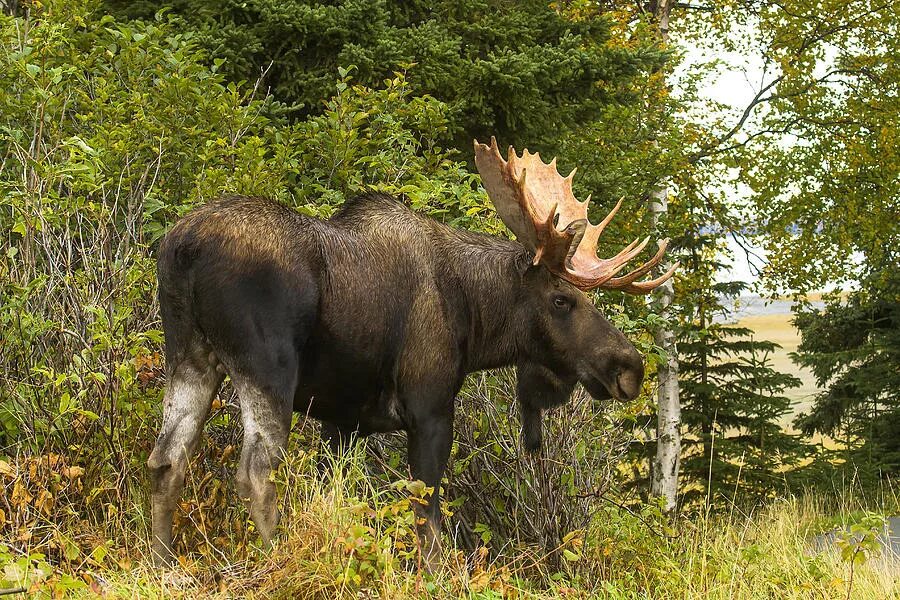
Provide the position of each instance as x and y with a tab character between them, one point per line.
629	384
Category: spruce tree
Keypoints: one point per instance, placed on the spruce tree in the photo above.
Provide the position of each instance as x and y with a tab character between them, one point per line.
852	346
733	400
521	71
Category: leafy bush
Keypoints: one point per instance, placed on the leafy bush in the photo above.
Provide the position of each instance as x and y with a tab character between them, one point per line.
109	132
509	499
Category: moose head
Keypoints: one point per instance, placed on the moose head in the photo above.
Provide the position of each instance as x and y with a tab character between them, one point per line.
564	338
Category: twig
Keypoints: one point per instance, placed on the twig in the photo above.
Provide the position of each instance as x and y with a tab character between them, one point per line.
650	526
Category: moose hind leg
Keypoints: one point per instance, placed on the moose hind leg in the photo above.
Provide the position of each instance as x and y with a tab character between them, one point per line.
267	421
189	393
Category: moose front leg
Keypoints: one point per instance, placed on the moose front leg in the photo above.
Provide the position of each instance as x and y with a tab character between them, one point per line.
429	442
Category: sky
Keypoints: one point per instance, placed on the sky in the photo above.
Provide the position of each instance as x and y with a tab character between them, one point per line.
735	85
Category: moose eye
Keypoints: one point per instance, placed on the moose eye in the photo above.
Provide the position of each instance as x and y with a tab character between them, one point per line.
562	303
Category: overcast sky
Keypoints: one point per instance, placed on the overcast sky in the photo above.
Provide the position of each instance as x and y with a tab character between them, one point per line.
735	85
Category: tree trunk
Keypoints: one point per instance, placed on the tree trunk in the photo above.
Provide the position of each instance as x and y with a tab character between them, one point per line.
668	424
664	480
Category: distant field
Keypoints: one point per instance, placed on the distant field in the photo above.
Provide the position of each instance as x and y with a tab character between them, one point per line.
778	328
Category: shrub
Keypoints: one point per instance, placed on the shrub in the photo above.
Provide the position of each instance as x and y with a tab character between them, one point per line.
110	131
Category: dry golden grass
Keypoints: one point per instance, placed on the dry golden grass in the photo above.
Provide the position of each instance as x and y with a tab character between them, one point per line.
767	554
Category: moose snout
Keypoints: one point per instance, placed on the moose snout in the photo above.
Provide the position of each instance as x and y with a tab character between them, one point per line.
629	383
630	376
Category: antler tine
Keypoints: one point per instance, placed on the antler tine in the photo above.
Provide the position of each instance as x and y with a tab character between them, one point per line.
645	287
610	216
629	252
625	280
594	232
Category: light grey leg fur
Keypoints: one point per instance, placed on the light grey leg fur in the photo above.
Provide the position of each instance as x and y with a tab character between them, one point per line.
189	393
267	422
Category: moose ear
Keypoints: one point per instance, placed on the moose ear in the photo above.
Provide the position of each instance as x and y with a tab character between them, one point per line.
526	267
538	388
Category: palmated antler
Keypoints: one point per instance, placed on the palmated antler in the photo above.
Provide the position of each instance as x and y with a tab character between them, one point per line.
538	205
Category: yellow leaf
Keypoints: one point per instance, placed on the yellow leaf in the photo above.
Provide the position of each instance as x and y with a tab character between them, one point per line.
20	494
44	502
73	472
7	469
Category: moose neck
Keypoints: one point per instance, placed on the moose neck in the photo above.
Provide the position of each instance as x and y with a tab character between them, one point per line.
488	271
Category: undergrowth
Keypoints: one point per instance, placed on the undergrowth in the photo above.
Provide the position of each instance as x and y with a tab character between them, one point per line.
351	536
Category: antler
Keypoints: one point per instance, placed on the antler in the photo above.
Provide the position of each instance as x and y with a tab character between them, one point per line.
538	205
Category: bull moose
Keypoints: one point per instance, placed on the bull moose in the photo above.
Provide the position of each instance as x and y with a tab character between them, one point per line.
370	321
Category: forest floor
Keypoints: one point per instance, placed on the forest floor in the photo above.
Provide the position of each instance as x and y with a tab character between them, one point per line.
350	539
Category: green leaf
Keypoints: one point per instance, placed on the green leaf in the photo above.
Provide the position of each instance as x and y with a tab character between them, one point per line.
416	488
570	556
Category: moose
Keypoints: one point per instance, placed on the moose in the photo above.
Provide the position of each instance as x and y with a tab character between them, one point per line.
370	321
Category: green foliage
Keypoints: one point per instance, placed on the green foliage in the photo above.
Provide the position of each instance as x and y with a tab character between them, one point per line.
385	540
734	447
381	139
31	574
817	146
732	408
732	399
860	541
521	71
852	346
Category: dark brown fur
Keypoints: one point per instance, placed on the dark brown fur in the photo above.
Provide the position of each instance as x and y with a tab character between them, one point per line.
368	322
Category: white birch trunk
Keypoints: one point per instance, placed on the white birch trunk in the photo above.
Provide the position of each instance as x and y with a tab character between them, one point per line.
664	470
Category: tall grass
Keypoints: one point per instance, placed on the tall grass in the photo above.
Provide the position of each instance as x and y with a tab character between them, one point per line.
352	536
333	527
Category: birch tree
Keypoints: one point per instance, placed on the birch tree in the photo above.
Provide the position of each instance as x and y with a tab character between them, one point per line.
664	470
